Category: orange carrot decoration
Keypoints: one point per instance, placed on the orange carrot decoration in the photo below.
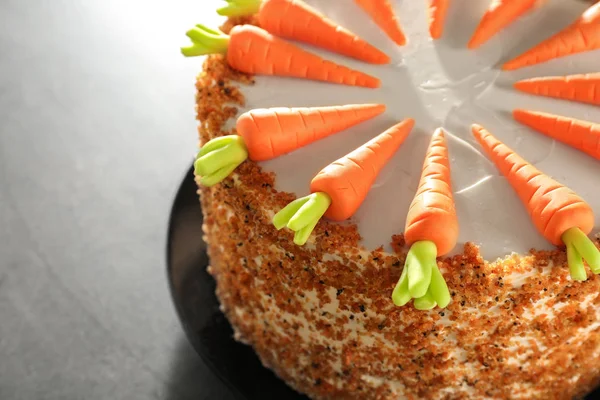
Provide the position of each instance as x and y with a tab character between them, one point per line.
341	187
382	13
431	231
582	35
500	14
582	88
255	51
558	213
296	20
582	135
268	133
437	17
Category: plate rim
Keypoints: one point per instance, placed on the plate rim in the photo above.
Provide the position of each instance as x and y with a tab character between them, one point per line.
179	195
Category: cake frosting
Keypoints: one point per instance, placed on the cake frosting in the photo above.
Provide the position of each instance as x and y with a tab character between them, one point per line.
442	83
320	315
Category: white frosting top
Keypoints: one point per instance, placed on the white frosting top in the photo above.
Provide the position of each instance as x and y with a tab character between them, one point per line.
442	83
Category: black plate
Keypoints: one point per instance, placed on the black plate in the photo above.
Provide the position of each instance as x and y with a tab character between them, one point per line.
193	291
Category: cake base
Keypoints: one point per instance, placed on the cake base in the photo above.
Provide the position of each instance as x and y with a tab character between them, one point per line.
461	352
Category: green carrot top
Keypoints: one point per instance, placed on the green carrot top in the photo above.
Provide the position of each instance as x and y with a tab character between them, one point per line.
237	8
205	41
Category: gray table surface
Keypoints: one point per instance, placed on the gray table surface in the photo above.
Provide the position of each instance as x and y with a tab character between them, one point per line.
96	130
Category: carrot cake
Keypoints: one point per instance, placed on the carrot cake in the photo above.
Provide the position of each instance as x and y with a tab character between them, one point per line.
324	307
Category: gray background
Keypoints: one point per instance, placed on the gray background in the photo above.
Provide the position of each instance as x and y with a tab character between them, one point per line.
96	131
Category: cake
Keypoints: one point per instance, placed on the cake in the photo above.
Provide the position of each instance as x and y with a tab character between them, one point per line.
320	315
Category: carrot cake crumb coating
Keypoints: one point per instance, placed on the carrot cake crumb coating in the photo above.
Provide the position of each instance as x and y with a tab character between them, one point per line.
321	316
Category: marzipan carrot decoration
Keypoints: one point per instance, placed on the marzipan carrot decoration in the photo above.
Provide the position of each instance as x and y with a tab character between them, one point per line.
382	13
296	20
437	17
339	189
584	88
582	35
268	133
499	15
255	51
558	213
431	231
582	135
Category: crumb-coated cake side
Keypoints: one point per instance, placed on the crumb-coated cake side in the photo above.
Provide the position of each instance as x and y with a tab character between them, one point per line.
320	315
